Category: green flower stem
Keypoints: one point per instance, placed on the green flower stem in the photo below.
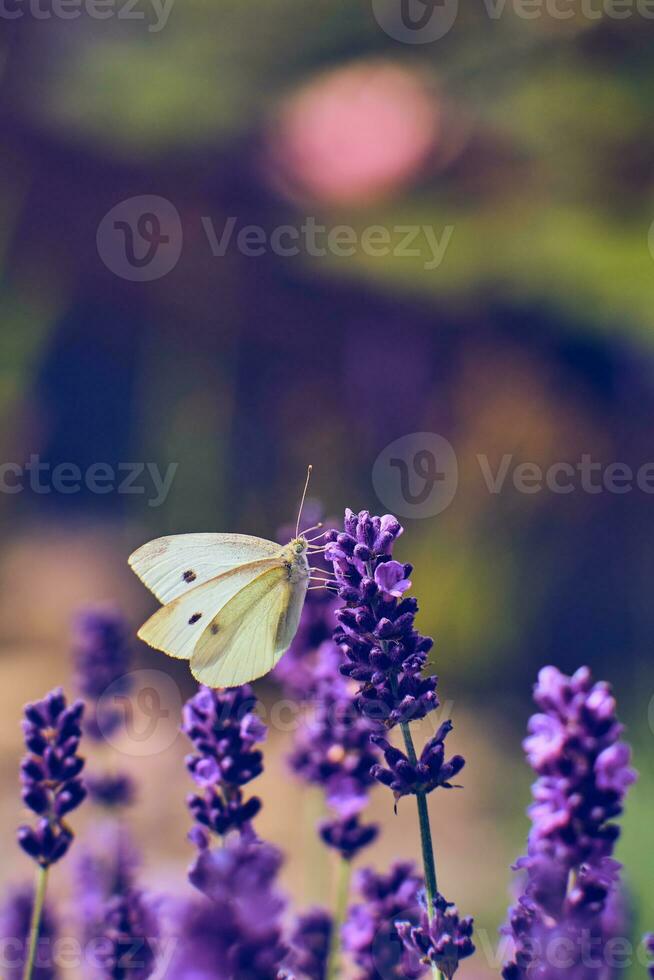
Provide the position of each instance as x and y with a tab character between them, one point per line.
426	843
342	894
35	924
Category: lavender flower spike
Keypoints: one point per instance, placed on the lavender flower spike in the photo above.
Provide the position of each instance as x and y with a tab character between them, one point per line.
224	731
443	941
310	944
649	946
333	750
428	773
383	652
130	935
582	766
243	934
370	933
583	775
50	775
102	658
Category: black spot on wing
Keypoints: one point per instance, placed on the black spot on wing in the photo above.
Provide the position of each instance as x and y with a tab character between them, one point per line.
194	618
214	628
189	576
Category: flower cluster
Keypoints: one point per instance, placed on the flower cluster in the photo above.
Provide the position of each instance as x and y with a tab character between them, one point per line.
583	774
649	946
224	731
50	775
15	918
130	935
102	658
105	868
370	933
442	940
239	934
376	634
111	790
333	750
430	771
310	942
583	768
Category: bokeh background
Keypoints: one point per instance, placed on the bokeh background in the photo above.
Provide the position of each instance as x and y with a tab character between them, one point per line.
532	139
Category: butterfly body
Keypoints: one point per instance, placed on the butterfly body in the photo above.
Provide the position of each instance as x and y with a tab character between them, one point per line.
231	602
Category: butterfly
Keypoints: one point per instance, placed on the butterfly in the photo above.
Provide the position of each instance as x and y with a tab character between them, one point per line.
231	602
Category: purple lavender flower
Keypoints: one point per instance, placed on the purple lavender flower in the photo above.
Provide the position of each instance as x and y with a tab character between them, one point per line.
391	580
102	658
347	835
244	940
106	867
429	772
111	790
50	775
130	936
583	768
383	651
370	934
444	940
224	730
583	774
15	918
333	750
649	946
310	942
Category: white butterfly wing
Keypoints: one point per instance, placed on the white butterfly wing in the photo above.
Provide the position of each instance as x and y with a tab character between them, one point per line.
172	566
177	626
250	633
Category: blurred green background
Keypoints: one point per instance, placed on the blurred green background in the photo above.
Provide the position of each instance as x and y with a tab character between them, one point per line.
530	139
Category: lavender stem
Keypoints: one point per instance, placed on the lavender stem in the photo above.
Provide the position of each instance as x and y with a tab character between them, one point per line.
342	894
35	923
426	843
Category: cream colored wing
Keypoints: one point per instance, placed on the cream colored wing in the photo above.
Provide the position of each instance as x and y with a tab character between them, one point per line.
174	565
250	633
177	626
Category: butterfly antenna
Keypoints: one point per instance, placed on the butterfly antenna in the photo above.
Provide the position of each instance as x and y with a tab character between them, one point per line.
304	494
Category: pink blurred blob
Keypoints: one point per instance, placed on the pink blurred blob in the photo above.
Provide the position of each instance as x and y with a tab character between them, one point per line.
354	134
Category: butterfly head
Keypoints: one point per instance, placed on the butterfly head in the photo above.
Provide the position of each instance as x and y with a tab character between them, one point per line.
295	559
